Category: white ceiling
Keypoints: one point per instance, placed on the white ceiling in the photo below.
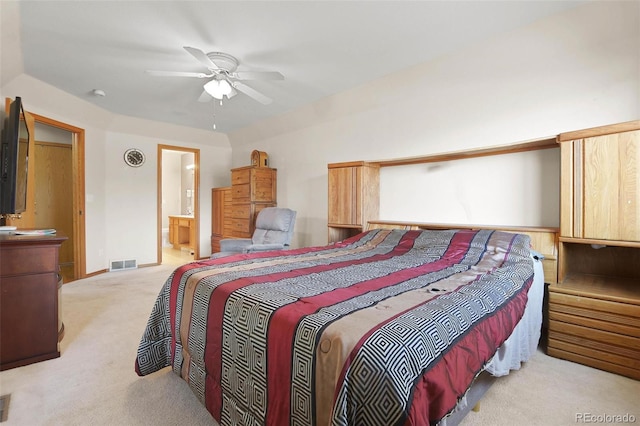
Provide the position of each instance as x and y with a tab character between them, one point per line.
321	47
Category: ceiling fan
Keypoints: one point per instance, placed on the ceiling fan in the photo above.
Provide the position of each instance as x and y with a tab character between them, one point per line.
225	79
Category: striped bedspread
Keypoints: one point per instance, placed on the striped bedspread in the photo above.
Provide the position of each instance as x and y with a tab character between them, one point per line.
389	327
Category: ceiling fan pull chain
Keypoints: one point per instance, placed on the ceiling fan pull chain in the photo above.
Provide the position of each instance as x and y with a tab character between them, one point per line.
214	114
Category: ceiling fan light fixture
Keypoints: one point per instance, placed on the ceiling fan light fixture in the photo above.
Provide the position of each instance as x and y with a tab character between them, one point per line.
218	88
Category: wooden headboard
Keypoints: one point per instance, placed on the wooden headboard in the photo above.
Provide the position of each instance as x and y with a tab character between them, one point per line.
543	240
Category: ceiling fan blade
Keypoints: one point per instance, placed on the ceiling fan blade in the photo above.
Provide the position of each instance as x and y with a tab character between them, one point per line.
251	92
201	56
178	74
258	75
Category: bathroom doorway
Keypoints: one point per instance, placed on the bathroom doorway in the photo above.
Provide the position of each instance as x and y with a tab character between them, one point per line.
178	204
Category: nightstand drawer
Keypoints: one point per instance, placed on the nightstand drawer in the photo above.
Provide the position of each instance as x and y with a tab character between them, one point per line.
590	303
593	335
599	355
609	322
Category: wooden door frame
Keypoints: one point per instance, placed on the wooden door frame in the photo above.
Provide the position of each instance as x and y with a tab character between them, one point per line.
196	198
78	188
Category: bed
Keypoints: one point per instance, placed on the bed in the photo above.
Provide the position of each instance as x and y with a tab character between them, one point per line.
388	327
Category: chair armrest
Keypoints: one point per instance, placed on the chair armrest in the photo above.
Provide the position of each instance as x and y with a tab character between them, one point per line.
234	244
263	247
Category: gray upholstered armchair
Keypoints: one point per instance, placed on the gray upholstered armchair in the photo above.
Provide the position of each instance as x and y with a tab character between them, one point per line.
274	229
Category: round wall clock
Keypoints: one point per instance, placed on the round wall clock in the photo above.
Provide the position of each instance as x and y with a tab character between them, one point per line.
134	157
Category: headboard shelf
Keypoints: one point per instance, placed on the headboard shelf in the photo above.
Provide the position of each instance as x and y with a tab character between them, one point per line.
532	145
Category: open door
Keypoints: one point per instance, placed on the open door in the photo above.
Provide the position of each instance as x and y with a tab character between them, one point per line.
184	221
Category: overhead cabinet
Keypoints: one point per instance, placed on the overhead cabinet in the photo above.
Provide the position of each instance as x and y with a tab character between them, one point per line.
354	199
601	187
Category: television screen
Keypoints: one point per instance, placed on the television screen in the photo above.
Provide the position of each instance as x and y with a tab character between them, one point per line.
14	162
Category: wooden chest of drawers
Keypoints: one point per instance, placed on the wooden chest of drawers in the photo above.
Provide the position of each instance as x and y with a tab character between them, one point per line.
252	189
29	299
599	330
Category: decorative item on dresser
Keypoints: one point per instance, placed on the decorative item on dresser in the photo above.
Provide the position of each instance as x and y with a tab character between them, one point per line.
259	159
30	320
594	310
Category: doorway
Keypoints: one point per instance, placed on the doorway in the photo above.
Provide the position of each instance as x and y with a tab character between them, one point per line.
178	204
59	190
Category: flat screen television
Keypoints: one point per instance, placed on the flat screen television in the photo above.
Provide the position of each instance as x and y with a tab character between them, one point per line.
13	161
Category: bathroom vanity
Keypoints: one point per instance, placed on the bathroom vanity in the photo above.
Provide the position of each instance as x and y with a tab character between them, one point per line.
182	232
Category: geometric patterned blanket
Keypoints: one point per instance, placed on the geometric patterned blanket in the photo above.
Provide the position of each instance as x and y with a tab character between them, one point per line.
389	327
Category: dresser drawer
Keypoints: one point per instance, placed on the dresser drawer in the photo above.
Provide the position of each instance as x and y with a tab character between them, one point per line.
28	260
241	192
241	226
609	321
240	176
240	211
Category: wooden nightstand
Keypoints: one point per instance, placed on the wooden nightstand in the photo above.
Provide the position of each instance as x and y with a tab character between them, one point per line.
594	310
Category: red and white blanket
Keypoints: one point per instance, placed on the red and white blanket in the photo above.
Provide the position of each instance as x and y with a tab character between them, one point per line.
389	327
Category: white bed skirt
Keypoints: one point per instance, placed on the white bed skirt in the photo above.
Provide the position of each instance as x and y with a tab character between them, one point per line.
523	342
518	348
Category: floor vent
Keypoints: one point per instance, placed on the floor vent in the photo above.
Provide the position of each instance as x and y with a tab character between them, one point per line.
121	265
4	407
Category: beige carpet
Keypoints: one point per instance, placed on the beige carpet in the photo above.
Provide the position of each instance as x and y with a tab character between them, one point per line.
94	383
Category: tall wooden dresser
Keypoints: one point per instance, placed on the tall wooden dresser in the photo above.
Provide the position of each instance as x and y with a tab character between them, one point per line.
30	321
252	189
594	309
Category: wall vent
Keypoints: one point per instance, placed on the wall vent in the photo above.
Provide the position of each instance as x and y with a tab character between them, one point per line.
121	265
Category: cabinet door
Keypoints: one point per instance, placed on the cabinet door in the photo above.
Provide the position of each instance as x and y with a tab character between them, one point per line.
217	211
344	196
611	191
